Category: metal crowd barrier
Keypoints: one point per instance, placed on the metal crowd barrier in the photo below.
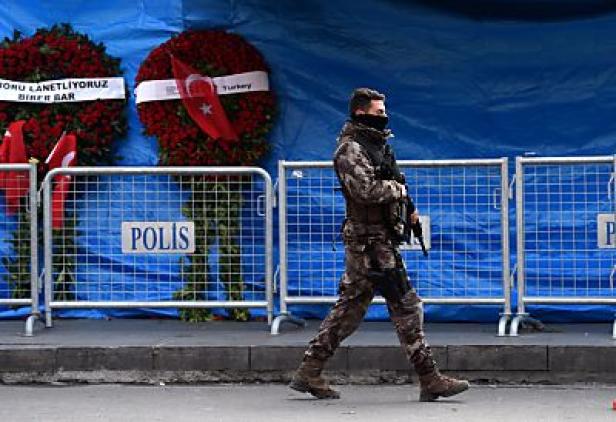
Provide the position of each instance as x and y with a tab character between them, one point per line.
565	224
19	264
158	237
464	204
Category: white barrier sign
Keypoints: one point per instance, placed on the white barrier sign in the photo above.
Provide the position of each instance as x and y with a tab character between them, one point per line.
606	231
158	237
414	245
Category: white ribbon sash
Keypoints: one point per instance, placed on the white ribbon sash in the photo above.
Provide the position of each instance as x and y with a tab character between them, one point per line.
63	90
166	89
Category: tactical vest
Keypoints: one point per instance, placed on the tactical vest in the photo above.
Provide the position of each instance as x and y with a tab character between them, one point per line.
382	159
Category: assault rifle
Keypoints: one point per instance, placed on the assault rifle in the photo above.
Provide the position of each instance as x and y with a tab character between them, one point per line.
388	170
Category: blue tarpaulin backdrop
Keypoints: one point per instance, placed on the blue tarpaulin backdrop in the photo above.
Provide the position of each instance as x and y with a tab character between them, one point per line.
464	79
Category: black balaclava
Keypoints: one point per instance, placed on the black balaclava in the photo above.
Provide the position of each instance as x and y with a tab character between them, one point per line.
374	121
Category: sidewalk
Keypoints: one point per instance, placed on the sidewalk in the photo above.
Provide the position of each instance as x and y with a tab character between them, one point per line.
153	351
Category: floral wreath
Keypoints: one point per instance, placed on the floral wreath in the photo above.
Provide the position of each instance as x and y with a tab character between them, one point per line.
59	53
182	142
55	53
212	53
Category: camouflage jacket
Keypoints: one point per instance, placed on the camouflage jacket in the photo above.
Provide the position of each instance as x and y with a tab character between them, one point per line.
371	203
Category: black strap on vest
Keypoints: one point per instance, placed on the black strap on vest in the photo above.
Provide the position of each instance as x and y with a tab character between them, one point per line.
382	159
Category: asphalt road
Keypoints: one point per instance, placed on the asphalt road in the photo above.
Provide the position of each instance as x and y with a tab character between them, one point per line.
271	403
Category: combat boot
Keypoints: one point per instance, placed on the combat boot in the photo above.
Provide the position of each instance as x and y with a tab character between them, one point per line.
308	379
435	385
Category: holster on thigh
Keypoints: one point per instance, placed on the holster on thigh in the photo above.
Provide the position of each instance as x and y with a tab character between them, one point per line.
391	283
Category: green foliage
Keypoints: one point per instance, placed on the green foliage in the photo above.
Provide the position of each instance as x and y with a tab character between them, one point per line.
18	264
64	260
214	207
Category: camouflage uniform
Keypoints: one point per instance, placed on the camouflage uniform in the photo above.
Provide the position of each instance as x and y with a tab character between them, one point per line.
370	249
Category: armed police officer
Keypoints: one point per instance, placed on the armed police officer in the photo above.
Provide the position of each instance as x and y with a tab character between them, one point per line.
374	191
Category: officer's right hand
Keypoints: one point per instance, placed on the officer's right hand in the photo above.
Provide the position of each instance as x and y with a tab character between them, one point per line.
414	218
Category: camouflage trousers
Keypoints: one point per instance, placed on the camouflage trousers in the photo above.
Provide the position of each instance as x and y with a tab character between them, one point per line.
357	289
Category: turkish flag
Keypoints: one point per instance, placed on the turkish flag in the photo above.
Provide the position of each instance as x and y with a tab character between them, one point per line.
64	154
199	96
62	186
13	151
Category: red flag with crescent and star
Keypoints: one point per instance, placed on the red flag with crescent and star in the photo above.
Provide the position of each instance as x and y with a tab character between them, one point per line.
13	151
198	93
64	154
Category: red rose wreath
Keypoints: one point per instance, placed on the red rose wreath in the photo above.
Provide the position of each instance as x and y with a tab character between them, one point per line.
54	54
243	119
181	141
60	53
